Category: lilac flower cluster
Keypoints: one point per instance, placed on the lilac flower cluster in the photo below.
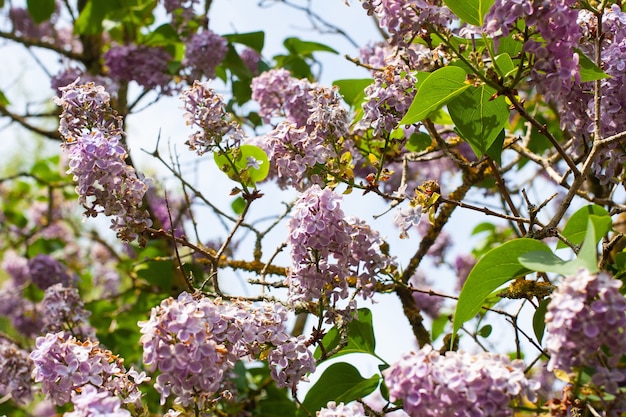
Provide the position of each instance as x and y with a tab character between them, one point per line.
580	114
556	63
204	51
63	365
89	402
406	20
24	25
312	132
458	383
333	409
45	271
388	98
194	342
206	110
93	141
64	310
251	59
68	75
146	65
15	370
586	327
329	252
184	7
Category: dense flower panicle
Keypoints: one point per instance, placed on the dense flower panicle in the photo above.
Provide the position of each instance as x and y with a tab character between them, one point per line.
281	95
586	326
194	342
69	75
90	402
458	384
86	107
556	63
15	373
291	361
64	310
24	314
204	51
206	110
333	409
328	250
63	364
407	20
146	65
45	271
388	98
106	184
16	266
251	59
24	25
185	7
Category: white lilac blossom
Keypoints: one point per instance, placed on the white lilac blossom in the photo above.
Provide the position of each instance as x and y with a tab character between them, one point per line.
93	136
328	250
458	384
204	51
407	218
64	364
333	409
146	65
194	342
15	373
586	327
206	111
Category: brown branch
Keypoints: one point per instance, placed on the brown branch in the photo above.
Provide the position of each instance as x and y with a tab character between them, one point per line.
29	42
54	134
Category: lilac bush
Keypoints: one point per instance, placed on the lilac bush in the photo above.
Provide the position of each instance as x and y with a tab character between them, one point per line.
468	165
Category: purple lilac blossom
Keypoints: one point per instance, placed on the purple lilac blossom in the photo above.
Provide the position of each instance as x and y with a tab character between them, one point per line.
555	67
328	250
184	6
45	271
457	383
24	314
195	341
147	66
578	105
429	304
24	25
64	310
586	327
406	20
97	159
15	373
203	53
206	110
69	75
333	409
251	59
64	365
90	402
313	130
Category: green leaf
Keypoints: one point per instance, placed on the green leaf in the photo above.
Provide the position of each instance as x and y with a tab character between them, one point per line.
353	90
588	254
504	64
238	205
548	262
247	164
485	331
435	91
306	48
478	117
4	101
539	319
254	40
41	10
438	326
341	382
495	268
89	21
589	71
360	335
162	36
418	141
471	11
576	227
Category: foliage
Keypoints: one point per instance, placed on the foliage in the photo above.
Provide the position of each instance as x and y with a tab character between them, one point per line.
517	104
